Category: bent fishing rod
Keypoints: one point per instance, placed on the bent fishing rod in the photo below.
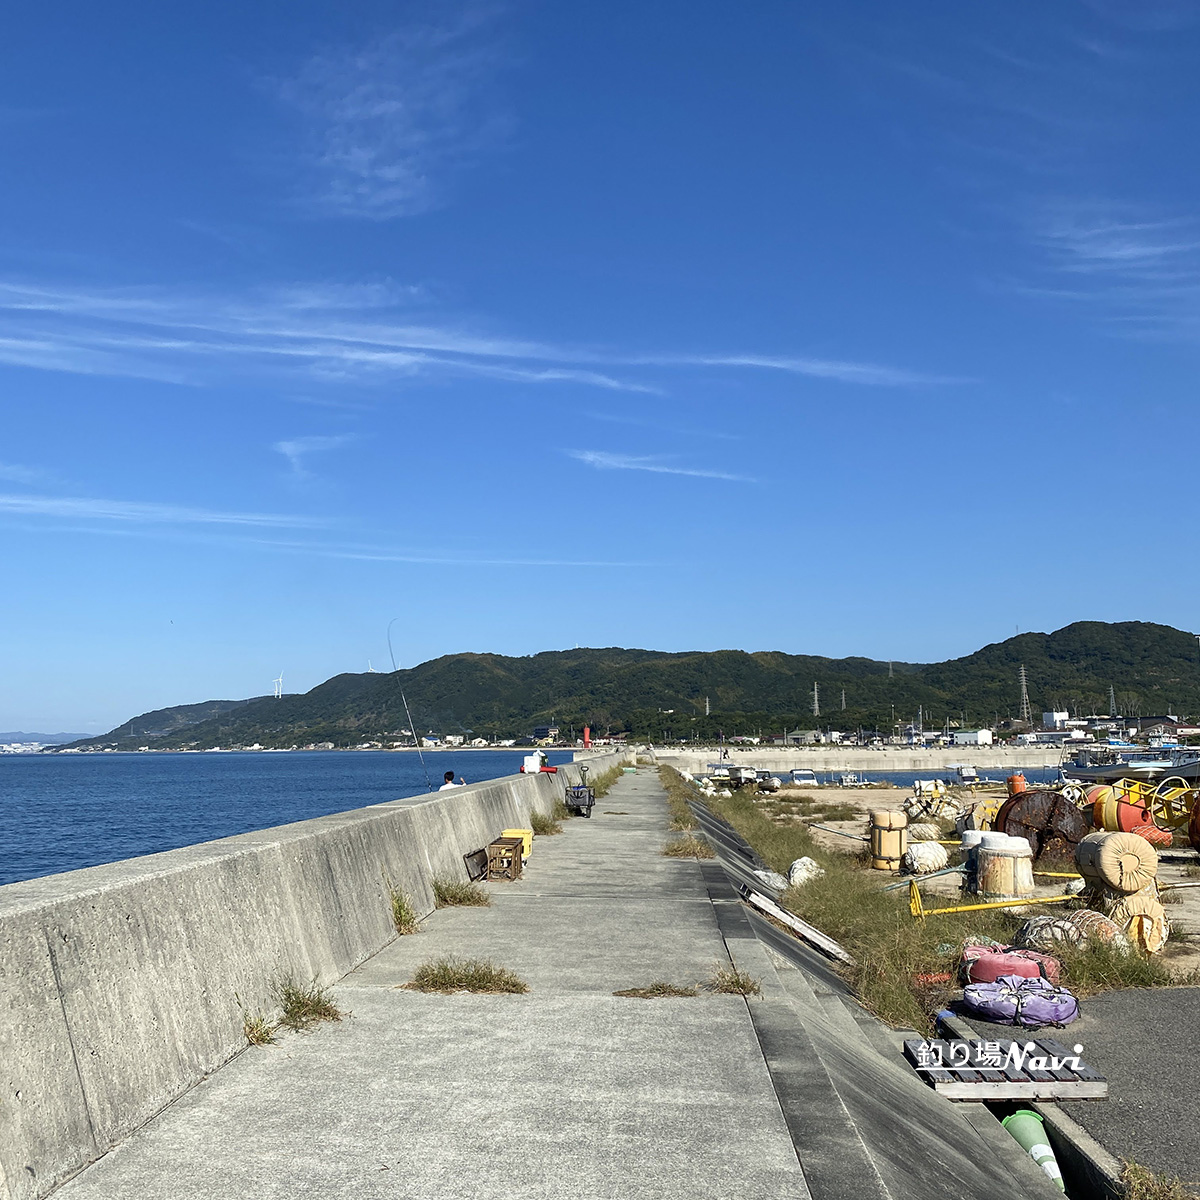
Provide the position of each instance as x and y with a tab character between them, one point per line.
411	727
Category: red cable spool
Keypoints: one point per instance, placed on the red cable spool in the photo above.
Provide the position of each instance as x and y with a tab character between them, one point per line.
1041	815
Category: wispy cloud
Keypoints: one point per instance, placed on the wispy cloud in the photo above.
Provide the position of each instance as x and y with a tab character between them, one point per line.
31	476
870	374
297	450
202	533
382	554
386	123
143	513
1133	267
345	332
1091	242
605	461
673	427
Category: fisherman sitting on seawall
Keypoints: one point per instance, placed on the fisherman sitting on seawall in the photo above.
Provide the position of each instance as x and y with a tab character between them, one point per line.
449	777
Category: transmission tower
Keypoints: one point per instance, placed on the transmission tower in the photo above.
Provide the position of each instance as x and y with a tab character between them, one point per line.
1112	701
1026	713
843	699
816	701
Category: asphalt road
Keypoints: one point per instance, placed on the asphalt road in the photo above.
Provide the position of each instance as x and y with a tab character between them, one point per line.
1147	1043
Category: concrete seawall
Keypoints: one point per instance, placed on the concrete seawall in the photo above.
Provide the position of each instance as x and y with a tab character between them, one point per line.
831	758
123	985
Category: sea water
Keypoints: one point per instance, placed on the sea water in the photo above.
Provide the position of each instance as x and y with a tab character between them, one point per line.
59	812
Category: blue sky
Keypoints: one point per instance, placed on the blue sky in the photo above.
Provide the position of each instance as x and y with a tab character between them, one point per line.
831	328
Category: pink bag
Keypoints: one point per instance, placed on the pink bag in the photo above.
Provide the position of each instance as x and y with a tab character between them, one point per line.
987	968
982	964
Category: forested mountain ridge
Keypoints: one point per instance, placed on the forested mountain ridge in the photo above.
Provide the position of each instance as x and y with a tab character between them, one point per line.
1152	669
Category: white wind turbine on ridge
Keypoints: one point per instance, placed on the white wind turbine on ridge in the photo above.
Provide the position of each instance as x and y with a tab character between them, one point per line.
279	687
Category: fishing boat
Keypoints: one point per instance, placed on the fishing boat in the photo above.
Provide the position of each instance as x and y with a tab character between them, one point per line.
1107	764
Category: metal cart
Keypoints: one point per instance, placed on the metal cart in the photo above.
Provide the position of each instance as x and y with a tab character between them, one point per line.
580	798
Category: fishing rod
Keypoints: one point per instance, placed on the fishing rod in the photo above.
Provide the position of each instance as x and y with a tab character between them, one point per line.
411	727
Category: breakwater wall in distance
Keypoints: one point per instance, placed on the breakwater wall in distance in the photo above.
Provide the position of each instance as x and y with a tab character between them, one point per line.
123	985
892	758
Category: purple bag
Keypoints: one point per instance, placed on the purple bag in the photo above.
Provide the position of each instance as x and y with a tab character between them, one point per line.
1015	1000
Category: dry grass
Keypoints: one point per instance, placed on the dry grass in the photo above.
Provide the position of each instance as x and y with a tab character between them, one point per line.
678	794
451	893
543	825
561	812
453	974
657	991
802	807
404	915
1141	1183
732	980
1089	970
688	845
256	1026
258	1030
303	1004
603	782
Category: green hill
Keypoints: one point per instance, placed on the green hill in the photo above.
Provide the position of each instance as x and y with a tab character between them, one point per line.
1152	668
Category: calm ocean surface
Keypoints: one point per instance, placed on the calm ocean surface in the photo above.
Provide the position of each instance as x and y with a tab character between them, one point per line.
59	812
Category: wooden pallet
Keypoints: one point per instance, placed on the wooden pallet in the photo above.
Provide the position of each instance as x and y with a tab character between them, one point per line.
1007	1082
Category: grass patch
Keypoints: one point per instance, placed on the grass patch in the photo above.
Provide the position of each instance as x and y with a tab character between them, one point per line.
656	991
404	915
677	799
258	1030
543	825
604	781
256	1026
1141	1183
687	845
560	812
1099	968
303	1004
811	808
731	980
453	893
453	974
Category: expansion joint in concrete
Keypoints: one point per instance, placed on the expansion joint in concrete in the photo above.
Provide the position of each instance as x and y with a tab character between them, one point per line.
62	1001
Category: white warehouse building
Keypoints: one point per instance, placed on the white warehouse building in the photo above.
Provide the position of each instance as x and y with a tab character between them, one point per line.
972	737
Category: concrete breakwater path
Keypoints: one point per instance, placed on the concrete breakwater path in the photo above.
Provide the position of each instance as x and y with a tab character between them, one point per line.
570	1091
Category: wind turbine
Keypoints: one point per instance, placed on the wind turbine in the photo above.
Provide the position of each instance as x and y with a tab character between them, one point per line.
279	687
370	669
